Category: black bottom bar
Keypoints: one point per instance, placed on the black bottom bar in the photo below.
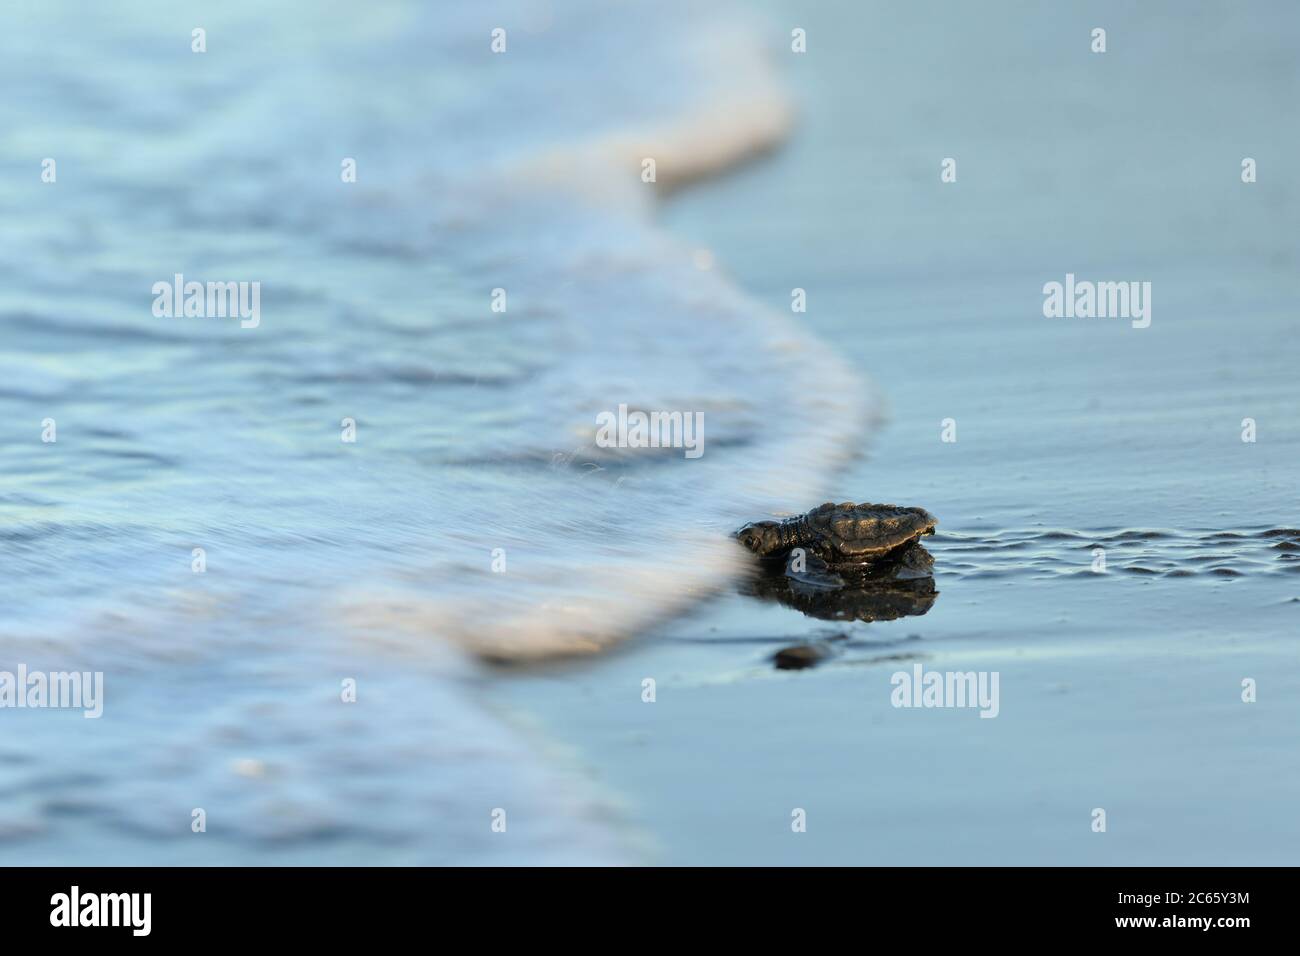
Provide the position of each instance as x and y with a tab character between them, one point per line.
338	905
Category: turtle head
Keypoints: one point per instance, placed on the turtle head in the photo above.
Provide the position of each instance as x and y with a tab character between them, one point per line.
761	537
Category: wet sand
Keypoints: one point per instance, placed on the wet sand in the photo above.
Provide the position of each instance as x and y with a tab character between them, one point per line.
1120	690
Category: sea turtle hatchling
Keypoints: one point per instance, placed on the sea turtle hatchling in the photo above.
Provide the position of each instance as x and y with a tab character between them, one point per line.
843	535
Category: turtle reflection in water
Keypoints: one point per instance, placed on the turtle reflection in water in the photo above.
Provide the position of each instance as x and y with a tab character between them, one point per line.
845	562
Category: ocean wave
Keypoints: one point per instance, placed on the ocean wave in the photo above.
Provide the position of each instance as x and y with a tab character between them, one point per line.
591	562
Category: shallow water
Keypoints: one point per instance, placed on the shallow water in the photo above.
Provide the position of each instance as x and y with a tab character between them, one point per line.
328	559
475	428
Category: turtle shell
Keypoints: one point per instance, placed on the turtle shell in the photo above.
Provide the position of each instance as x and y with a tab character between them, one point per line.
863	532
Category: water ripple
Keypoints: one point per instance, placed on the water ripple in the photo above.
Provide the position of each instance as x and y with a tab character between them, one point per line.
1159	552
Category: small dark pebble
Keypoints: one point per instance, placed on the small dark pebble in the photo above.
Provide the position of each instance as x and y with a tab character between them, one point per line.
799	656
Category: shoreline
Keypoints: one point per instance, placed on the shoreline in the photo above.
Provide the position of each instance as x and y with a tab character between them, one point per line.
1120	691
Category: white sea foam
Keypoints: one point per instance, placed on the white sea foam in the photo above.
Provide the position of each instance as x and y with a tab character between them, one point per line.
602	545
